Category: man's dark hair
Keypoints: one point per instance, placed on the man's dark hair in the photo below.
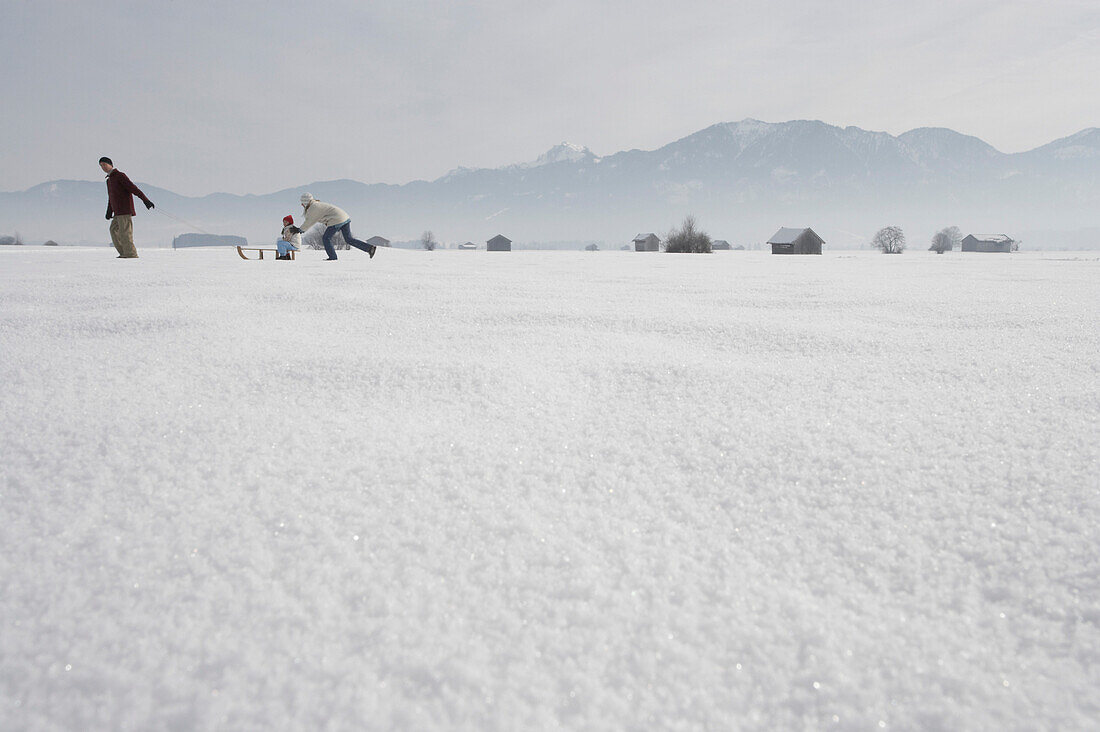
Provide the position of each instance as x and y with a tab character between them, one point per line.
106	159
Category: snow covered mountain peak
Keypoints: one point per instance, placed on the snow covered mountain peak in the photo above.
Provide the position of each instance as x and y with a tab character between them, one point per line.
565	152
749	126
925	144
747	129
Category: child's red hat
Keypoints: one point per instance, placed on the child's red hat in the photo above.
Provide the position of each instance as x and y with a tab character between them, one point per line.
288	220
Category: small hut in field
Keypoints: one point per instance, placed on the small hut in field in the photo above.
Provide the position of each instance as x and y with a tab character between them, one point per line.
499	243
647	243
796	241
378	241
987	243
719	244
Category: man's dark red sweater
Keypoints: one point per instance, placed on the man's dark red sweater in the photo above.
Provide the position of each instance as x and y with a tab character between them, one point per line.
120	193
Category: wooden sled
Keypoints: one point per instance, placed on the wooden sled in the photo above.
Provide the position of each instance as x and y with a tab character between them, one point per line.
241	250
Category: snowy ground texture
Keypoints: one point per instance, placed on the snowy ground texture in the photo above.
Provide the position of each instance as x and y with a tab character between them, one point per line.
533	490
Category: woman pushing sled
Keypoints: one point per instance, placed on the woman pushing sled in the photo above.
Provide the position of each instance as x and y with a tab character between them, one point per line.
335	219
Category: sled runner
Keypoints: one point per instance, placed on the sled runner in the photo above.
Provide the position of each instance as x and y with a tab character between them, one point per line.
241	250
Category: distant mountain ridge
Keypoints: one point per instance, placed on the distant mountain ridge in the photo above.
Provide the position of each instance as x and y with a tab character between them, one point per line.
742	180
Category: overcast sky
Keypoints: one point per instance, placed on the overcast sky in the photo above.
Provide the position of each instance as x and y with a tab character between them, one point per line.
253	97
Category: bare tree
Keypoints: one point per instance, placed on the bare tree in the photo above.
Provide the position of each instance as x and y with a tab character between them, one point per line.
427	240
945	240
688	238
312	239
955	235
890	240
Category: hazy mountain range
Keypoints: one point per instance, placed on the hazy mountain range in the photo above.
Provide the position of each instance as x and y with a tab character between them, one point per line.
742	180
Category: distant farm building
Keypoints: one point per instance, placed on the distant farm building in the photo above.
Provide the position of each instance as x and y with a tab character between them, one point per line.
378	241
796	241
208	240
468	246
50	243
739	248
719	244
647	243
987	243
499	243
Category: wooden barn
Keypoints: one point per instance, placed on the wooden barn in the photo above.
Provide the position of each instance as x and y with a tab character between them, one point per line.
467	246
499	243
719	244
796	241
647	243
987	243
378	241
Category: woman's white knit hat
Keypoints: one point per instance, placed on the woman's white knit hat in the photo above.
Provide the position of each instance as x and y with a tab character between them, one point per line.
307	198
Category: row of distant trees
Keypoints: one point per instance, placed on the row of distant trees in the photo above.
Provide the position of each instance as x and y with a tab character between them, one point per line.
891	240
688	239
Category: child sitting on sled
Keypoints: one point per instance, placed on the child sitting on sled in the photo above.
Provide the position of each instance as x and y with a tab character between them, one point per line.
290	239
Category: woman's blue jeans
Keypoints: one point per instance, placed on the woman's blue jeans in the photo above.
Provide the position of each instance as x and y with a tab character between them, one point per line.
345	229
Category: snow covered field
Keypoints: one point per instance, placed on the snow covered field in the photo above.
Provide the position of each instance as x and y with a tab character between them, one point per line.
522	491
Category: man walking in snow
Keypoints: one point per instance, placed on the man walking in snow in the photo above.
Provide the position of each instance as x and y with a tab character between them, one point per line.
120	208
335	219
